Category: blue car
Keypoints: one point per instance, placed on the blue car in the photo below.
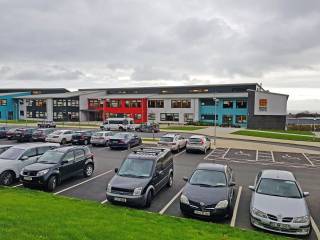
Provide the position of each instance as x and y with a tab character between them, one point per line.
124	141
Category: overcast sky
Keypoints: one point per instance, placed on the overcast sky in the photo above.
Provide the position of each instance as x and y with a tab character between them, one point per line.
125	43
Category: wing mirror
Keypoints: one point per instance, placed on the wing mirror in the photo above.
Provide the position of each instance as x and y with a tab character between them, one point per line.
306	194
64	162
252	188
23	158
116	170
232	184
185	179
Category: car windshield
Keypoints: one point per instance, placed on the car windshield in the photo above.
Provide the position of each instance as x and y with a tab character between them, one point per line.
166	139
12	154
208	178
279	188
79	133
98	134
195	140
57	132
137	168
121	135
51	157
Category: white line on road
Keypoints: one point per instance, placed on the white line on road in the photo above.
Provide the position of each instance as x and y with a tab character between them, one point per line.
104	201
225	154
208	155
180	153
66	189
272	155
162	211
235	209
257	155
308	159
17	185
315	228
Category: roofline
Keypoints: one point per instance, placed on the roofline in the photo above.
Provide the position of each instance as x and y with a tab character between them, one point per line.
266	91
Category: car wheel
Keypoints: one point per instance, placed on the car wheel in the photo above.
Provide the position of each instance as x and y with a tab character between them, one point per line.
170	181
63	141
7	178
86	142
88	170
149	199
106	144
52	183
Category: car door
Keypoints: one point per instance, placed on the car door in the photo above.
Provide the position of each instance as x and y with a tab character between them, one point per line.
68	135
230	179
67	167
158	176
27	158
80	160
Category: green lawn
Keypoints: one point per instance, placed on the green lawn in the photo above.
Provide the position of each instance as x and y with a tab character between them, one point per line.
251	133
18	121
183	128
32	215
292	132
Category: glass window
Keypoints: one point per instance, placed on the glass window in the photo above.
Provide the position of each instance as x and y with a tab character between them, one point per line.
170	117
138	116
114	103
185	103
69	157
151	116
30	152
21	113
40	103
208	178
59	102
227	104
241	119
207	102
209	117
279	188
29	114
136	168
12	153
3	102
42	150
188	117
241	104
73	103
156	104
79	154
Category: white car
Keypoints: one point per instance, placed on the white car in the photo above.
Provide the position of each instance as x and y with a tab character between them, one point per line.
101	138
60	136
118	124
198	143
175	142
16	158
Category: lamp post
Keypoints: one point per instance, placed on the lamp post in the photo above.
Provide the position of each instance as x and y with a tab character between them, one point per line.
215	121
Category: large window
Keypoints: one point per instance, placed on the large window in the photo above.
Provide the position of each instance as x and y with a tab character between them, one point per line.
151	116
241	119
241	104
29	114
155	104
3	102
58	115
40	103
138	116
210	117
94	103
183	103
74	116
133	103
40	114
59	102
73	102
207	102
114	103
169	117
29	102
188	117
227	104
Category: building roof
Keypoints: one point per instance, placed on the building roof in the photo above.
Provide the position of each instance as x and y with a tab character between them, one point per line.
58	95
12	94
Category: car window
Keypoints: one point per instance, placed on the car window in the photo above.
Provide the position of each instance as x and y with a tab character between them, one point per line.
69	156
42	150
30	153
208	178
68	132
79	154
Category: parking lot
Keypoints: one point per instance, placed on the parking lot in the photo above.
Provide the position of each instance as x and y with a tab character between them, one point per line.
245	164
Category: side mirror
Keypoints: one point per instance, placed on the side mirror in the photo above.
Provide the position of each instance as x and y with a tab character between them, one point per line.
159	173
185	179
232	184
63	162
116	170
23	158
306	194
252	188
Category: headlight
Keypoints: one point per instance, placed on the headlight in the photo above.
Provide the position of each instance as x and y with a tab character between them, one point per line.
184	200
42	172
304	219
109	188
137	191
259	213
21	173
222	204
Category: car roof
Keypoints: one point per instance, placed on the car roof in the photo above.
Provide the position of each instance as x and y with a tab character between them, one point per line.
197	136
30	145
170	135
212	166
278	174
153	153
68	148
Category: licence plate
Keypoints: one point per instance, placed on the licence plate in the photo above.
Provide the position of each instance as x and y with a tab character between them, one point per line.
120	199
28	178
279	225
202	213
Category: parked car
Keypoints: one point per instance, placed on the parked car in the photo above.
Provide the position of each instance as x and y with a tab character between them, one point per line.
41	134
124	141
198	143
121	124
3	132
17	157
278	203
4	148
11	133
57	165
81	137
47	124
60	136
173	141
141	176
148	127
24	134
209	192
101	138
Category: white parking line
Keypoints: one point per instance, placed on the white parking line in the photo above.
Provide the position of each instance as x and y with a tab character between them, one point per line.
66	189
18	185
162	211
257	155
180	153
308	159
208	155
236	206
104	201
272	155
315	228
225	154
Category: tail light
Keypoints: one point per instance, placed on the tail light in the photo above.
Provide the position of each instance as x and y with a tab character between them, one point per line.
202	141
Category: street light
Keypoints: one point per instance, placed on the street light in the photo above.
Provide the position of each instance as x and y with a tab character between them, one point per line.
215	121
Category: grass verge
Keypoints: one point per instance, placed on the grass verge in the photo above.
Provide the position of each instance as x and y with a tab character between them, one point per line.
183	128
36	215
276	135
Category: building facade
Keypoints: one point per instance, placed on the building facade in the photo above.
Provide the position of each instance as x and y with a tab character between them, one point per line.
10	106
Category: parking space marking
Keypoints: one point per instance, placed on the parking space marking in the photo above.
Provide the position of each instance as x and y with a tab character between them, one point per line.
315	228
162	211
225	154
18	185
308	159
208	155
272	155
236	206
180	153
104	201
257	155
76	185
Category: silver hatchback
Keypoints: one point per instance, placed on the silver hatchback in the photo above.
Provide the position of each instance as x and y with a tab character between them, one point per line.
278	204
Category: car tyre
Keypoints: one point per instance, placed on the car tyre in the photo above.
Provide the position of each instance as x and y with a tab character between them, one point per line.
170	181
106	144
52	183
149	199
7	178
63	142
88	170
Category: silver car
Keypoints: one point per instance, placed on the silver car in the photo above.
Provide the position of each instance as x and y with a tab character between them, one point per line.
198	143
278	204
173	141
101	138
15	158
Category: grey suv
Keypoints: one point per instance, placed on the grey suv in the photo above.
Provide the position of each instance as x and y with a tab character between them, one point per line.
141	176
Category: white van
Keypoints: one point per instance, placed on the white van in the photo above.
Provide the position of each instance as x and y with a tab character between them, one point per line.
121	124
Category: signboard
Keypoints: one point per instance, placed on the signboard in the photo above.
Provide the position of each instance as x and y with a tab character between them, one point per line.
263	105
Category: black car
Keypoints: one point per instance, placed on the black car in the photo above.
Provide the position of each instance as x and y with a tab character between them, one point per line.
148	127
81	137
124	141
11	133
3	132
24	134
209	192
41	134
47	124
141	176
57	165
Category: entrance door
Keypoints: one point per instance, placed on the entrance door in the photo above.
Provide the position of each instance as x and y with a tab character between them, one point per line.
227	120
10	115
